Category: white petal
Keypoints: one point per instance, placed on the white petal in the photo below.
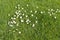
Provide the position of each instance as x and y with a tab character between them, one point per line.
21	17
26	15
55	17
8	14
36	21
27	5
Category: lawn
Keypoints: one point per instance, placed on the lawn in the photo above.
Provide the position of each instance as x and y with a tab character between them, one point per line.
29	19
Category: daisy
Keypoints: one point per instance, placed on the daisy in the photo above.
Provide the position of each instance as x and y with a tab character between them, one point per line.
22	20
32	15
14	22
31	11
19	32
27	5
23	14
52	9
22	8
20	17
36	17
41	12
18	4
26	15
33	25
35	11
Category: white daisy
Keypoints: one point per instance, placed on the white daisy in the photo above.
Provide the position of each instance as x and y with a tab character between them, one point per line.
48	9
16	7
14	22
50	14
16	13
17	29
22	20
31	11
36	17
32	15
19	32
55	17
33	25
13	30
27	20
22	8
19	11
12	18
21	17
11	22
17	24
36	21
17	16
8	22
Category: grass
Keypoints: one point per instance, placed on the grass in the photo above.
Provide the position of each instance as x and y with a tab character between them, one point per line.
47	28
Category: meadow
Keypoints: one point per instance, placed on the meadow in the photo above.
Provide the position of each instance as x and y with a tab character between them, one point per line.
29	19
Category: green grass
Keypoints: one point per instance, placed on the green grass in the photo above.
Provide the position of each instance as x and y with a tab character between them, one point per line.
47	27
